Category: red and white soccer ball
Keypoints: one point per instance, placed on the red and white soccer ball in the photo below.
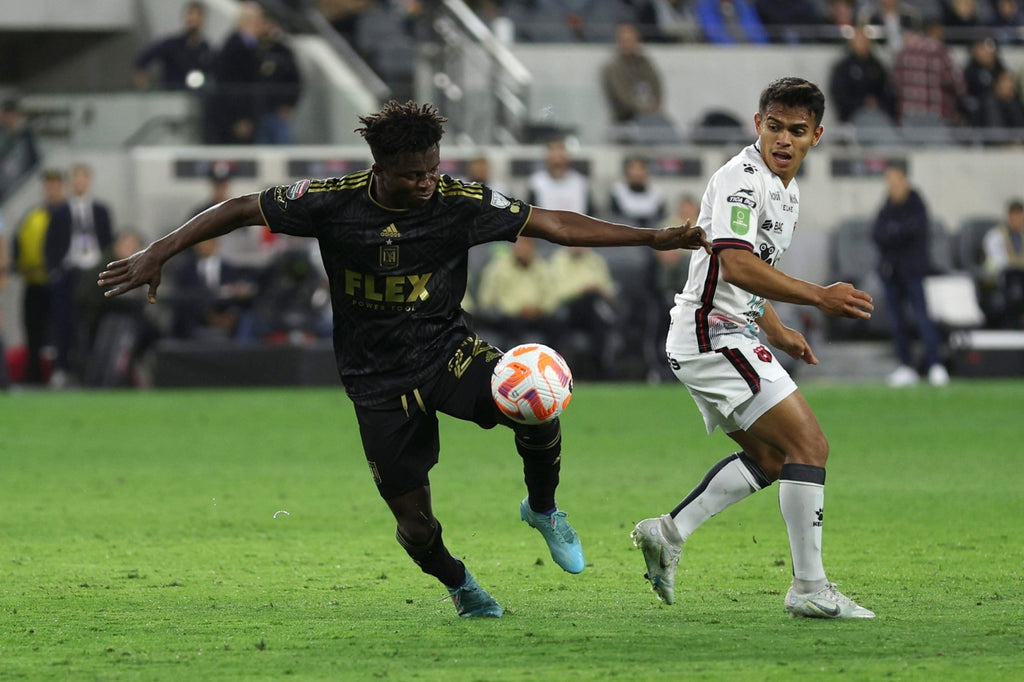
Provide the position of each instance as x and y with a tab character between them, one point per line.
531	384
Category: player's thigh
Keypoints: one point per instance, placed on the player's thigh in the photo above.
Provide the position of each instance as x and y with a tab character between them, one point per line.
463	390
401	443
792	428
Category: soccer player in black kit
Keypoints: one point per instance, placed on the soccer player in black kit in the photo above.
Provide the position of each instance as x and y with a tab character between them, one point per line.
394	241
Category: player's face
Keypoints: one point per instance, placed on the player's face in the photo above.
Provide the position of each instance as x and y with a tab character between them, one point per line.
409	181
786	134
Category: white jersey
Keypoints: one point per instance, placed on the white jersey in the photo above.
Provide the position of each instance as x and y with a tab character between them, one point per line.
745	206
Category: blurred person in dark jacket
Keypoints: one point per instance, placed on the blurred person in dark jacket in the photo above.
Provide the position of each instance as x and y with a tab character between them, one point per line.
79	232
900	232
184	60
860	81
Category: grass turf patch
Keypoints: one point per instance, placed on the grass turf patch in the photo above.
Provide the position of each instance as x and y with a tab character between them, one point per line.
144	538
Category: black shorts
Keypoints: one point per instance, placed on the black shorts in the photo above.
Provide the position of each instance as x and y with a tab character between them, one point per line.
400	436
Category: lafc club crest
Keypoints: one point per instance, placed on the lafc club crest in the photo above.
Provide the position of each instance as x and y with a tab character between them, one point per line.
389	250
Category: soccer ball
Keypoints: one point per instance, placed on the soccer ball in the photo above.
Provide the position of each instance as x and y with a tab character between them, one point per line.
531	384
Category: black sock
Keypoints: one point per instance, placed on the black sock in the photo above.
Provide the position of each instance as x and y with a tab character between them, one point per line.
434	559
540	447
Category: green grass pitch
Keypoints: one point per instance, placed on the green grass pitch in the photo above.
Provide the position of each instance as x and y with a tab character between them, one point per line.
144	538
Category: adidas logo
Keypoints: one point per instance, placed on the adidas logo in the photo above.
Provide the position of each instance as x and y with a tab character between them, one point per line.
390	232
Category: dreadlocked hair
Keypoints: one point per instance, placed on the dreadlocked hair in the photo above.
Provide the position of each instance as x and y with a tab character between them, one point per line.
401	129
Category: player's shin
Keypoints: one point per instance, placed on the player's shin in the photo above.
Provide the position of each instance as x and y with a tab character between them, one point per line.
540	447
434	558
725	484
802	500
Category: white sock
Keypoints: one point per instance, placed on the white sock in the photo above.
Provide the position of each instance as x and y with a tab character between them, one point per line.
802	504
725	484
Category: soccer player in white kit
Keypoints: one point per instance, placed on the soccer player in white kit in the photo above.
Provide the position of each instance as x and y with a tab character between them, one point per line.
750	211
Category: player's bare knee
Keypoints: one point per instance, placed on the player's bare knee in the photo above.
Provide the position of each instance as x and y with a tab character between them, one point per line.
812	450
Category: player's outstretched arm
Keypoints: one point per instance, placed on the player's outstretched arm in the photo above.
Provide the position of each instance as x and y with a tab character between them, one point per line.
750	273
575	229
144	267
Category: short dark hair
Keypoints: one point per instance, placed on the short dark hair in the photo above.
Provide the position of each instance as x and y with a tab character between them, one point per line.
794	92
1015	205
401	129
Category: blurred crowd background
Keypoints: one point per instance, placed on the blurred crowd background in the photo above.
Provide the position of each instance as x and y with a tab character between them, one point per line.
121	119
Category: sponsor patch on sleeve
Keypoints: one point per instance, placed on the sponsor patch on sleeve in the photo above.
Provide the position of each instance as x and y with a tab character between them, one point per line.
499	200
743	197
297	190
739	220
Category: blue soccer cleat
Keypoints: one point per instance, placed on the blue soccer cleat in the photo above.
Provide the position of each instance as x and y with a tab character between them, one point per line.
562	540
472	601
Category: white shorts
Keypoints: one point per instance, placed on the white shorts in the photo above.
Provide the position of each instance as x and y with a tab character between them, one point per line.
734	386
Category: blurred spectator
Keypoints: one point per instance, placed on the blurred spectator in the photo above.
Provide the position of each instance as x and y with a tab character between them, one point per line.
631	82
634	200
929	85
900	232
891	18
478	169
963	19
840	14
219	177
516	298
586	294
29	255
184	60
1004	109
494	14
633	88
860	80
559	186
80	230
727	22
211	297
292	303
983	67
1008	22
1004	267
234	109
116	332
566	21
666	21
388	35
4	265
279	84
666	276
344	16
790	21
19	153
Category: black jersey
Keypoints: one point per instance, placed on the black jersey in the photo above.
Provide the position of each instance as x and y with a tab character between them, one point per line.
397	277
